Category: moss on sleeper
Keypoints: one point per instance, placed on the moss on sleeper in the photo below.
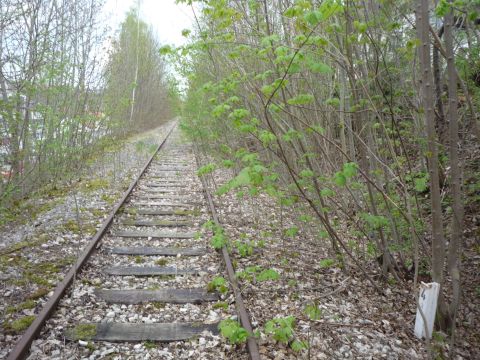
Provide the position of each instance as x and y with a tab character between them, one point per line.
84	332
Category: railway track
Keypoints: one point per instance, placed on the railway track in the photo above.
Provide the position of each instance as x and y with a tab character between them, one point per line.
139	289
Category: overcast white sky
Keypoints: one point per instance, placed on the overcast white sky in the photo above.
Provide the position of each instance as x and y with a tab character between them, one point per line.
167	18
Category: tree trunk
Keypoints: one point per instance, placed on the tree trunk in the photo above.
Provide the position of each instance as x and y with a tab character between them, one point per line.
454	248
428	105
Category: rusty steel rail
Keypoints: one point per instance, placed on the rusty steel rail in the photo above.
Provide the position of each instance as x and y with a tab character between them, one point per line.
252	345
22	347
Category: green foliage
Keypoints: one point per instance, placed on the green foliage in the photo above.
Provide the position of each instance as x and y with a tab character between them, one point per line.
301	99
84	332
139	260
327	263
150	345
233	332
294	123
267	274
218	284
161	262
165	50
220	305
306	173
228	163
371	249
319	67
442	8
95	184
281	329
256	272
335	102
267	137
291	231
244	248
29	304
421	183
248	273
375	222
206	169
252	176
219	240
350	170
20	325
297	345
313	312
340	179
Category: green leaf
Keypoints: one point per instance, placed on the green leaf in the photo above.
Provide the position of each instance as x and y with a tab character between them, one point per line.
306	173
361	27
264	75
232	331
268	274
297	345
218	240
267	137
209	225
327	192
166	50
375	221
319	129
319	67
218	284
313	312
239	114
268	41
330	8
333	102
318	40
442	8
292	134
340	179
326	263
301	99
206	169
421	184
293	11
219	110
228	163
291	231
299	39
305	218
350	169
323	234
281	328
313	17
294	68
267	90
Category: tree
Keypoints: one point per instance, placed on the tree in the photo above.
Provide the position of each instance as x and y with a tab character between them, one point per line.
136	84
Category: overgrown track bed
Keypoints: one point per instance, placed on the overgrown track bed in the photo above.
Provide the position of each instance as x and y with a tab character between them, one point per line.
139	290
